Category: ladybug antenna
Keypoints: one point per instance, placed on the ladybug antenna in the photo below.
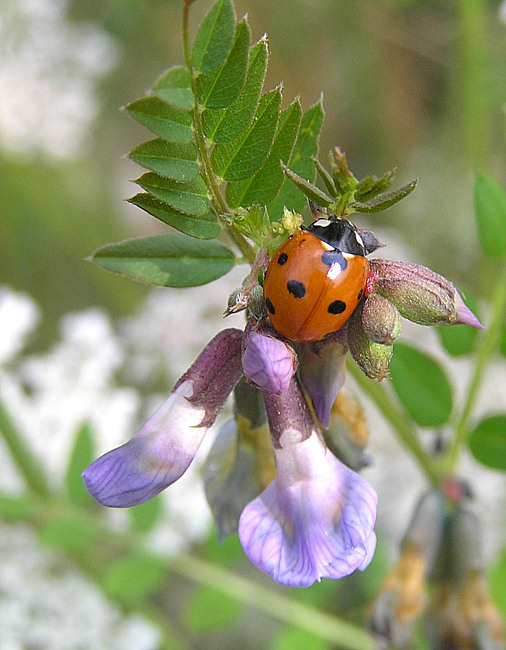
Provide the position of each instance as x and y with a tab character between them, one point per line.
369	240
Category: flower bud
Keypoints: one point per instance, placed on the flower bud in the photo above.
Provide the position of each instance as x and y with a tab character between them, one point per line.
420	295
348	433
322	371
462	614
381	320
268	362
372	358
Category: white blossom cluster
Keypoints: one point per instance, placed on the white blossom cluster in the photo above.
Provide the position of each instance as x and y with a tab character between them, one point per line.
48	72
44	604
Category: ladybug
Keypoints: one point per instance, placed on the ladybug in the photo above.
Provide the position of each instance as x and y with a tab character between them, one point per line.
316	279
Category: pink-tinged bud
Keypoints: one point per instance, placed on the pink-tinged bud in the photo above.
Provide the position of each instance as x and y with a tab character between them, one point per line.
420	295
322	372
464	315
372	358
162	450
268	362
381	320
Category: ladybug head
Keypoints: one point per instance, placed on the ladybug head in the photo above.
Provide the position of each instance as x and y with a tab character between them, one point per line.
341	234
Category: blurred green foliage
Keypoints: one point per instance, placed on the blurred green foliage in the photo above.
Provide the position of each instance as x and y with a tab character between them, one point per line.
415	84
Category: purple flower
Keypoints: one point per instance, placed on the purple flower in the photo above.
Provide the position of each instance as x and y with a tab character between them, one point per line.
322	371
162	450
268	362
315	520
314	516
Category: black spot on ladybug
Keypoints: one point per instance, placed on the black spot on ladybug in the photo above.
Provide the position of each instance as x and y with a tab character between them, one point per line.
270	306
282	259
360	294
329	258
297	289
336	307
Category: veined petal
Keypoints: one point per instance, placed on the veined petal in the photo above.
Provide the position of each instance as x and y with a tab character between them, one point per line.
315	520
268	362
161	451
154	458
323	374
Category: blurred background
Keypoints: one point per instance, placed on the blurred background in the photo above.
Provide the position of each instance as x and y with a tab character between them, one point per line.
414	84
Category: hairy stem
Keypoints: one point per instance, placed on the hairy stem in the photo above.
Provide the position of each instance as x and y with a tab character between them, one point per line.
219	204
490	343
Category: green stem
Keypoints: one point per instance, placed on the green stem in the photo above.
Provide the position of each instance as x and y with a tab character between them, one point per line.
308	618
490	343
474	95
400	422
22	455
104	545
217	200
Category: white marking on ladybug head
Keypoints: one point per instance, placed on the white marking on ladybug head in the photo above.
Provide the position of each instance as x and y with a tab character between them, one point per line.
359	239
322	223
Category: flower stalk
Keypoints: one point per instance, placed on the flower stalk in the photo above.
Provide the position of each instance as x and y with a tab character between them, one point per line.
490	342
26	462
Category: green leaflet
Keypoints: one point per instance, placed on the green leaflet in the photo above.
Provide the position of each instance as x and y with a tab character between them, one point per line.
312	192
169	159
243	156
214	37
421	385
300	162
209	609
172	260
265	184
219	89
203	227
227	124
82	455
490	210
132	577
386	199
174	87
488	442
189	198
169	123
146	515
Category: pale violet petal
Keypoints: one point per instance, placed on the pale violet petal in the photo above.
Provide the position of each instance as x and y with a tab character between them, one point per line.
315	520
154	458
323	377
269	363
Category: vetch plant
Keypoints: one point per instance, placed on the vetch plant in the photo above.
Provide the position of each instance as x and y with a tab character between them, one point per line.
228	162
230	169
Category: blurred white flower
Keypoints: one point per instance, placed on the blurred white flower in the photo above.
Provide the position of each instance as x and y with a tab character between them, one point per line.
48	70
19	316
46	604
